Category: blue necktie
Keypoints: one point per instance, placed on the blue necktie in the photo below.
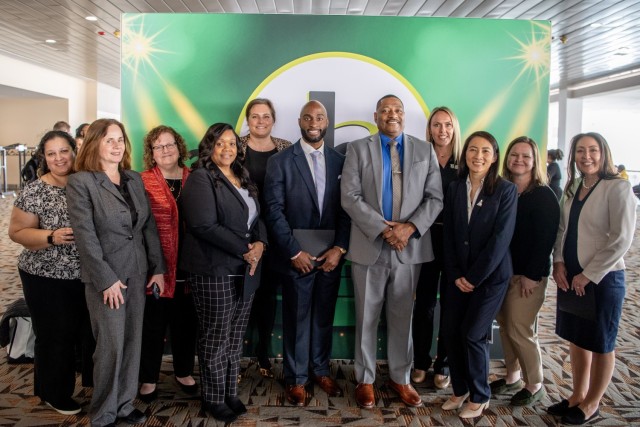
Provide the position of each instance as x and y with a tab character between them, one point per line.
318	172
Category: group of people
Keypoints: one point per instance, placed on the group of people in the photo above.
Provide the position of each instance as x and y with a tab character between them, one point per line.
203	250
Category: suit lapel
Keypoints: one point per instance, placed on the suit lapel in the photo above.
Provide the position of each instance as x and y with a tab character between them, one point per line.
106	183
300	160
375	151
476	208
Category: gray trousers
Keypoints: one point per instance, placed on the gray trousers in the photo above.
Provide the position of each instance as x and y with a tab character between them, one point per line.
388	279
116	361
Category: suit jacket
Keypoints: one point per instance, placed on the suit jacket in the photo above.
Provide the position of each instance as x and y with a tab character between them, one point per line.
478	248
216	235
290	194
362	198
165	212
605	228
111	248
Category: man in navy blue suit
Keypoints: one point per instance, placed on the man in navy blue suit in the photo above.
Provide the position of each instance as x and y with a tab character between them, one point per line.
302	192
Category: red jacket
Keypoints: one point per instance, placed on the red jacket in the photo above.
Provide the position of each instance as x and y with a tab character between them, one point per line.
165	211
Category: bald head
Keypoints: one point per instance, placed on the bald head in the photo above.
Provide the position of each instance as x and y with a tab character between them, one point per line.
313	104
313	123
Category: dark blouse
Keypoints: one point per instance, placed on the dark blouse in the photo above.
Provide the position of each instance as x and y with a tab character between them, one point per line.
553	171
537	221
124	191
570	249
256	164
448	174
175	186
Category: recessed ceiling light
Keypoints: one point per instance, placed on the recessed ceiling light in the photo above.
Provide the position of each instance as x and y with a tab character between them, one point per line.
50	41
91	18
596	25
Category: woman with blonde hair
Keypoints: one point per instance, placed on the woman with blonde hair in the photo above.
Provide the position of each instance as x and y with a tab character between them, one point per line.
533	238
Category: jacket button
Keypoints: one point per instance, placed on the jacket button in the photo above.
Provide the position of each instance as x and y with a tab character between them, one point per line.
247	235
129	237
466	243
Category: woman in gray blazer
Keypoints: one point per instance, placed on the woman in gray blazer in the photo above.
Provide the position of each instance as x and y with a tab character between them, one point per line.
120	254
596	229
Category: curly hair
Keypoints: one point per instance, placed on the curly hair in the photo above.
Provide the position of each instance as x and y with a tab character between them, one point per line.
43	168
153	136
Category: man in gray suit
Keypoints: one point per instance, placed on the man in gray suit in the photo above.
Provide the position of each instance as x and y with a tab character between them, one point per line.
391	189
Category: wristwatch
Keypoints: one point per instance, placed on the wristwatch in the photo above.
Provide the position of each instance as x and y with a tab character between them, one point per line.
51	239
342	250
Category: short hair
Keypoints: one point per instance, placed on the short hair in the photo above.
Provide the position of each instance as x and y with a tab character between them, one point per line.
260	101
606	168
153	135
555	154
457	138
43	168
62	125
205	149
79	130
385	97
538	176
89	157
492	178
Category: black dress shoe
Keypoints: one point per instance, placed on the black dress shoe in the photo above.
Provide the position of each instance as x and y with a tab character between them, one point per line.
221	412
135	417
235	404
559	409
576	417
149	397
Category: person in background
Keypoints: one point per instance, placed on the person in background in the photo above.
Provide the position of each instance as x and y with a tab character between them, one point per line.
223	245
49	267
537	221
623	172
391	189
254	150
302	192
81	131
443	132
164	155
63	126
120	257
553	171
596	230
479	219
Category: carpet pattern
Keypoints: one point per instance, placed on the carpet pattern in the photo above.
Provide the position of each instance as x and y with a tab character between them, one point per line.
265	398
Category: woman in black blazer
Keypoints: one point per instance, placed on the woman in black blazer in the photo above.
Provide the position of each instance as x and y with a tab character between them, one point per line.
223	245
479	219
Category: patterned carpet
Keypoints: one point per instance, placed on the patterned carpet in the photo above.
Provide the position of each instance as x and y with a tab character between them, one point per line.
267	405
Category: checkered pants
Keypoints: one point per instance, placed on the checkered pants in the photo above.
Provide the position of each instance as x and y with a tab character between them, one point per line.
223	318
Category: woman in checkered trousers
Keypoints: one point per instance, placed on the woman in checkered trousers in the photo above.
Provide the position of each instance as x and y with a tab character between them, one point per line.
223	244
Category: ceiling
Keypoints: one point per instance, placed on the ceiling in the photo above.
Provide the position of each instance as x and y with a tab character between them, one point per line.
592	39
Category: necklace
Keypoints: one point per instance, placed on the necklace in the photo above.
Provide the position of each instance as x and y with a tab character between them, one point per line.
589	187
172	186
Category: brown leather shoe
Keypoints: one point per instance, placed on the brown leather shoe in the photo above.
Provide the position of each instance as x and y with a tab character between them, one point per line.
365	397
296	394
328	385
407	393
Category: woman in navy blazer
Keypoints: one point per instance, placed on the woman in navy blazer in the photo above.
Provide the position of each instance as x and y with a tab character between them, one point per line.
479	219
596	229
224	238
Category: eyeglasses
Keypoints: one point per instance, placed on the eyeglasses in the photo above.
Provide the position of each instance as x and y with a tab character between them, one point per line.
169	147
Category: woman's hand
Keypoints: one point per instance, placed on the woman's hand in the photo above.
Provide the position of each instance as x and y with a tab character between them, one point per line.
63	236
156	278
113	295
464	285
254	255
527	286
560	275
578	284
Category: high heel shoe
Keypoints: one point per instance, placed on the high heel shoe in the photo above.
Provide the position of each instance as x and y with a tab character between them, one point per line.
467	412
454	402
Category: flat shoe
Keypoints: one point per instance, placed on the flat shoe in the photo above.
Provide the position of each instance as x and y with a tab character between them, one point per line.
524	397
149	397
441	381
189	389
452	404
235	404
559	409
267	373
500	386
576	417
418	376
473	413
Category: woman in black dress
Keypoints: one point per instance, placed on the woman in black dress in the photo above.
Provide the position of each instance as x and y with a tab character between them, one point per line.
596	229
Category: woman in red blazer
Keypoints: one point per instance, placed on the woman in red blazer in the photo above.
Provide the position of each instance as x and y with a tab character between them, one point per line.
164	155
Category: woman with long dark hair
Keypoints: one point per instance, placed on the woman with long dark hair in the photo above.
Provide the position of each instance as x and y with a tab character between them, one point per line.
596	229
479	219
223	245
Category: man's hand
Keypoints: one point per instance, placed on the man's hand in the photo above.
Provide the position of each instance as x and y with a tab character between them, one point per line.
303	263
331	259
397	234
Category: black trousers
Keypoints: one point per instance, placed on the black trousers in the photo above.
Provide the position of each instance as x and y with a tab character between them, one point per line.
263	313
179	315
59	316
431	279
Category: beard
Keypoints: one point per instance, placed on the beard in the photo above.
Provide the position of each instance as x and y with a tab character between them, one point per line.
308	138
